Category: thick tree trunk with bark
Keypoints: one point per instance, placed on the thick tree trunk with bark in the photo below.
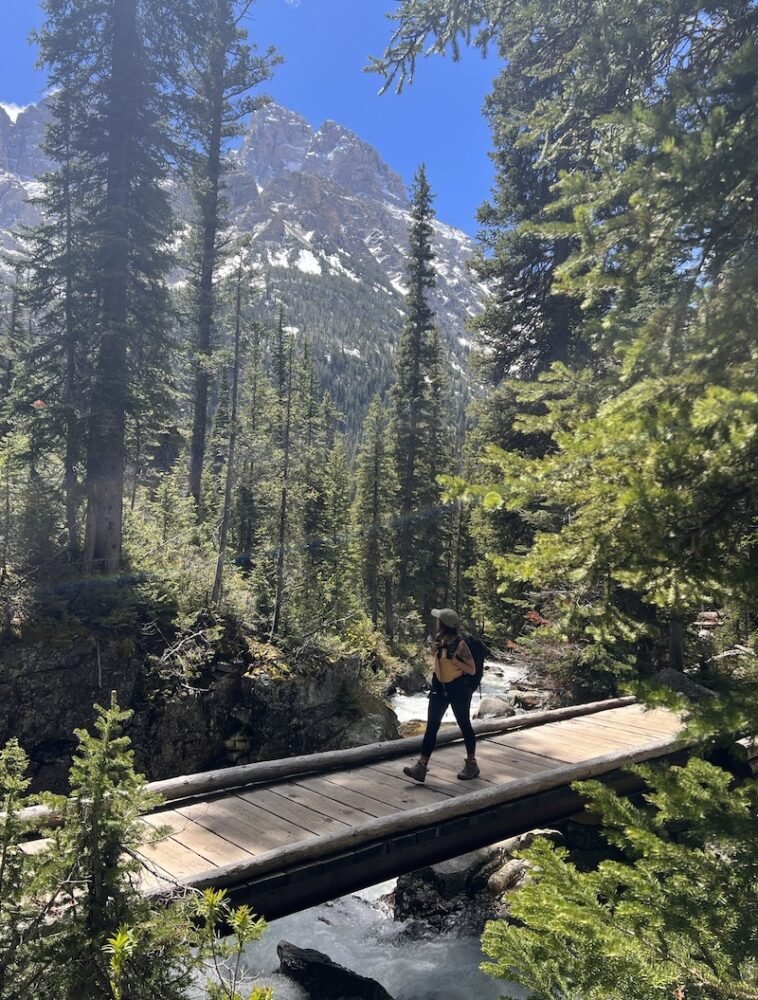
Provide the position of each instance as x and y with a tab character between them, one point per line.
106	446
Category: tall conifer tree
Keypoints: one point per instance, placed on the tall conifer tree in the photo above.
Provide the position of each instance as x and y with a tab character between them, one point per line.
118	113
416	414
376	490
222	70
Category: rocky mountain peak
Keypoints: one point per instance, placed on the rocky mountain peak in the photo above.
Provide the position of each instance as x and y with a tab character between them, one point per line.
346	159
276	142
326	224
21	141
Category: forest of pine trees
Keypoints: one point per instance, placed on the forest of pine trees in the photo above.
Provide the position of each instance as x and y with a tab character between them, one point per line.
159	430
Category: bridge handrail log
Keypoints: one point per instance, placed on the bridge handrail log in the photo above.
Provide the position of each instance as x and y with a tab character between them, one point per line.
206	782
415	819
191	786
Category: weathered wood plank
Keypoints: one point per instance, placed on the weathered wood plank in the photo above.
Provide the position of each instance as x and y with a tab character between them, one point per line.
243	824
545	745
178	861
439	776
370	807
215	849
304	809
449	761
601	734
397	782
643	715
523	760
398	797
497	765
632	725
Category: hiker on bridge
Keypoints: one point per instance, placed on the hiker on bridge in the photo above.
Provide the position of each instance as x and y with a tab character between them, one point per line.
452	684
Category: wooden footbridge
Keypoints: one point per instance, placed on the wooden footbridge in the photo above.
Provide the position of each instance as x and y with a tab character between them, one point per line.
283	835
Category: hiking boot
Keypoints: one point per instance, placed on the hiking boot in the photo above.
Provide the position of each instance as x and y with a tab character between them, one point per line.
417	771
470	770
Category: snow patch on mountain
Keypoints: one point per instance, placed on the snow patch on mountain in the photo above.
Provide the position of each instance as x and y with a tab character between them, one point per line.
13	110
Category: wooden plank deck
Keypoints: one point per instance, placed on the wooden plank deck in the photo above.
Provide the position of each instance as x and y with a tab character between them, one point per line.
306	820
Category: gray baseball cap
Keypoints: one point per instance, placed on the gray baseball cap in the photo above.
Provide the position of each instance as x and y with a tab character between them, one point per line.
447	616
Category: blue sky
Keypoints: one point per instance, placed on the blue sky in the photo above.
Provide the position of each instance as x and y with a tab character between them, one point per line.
326	44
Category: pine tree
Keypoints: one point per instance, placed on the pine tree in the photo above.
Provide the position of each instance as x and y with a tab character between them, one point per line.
416	417
671	918
284	358
117	106
222	70
642	509
226	512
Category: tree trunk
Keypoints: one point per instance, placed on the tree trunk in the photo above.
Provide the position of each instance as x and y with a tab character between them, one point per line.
276	624
676	643
226	515
209	213
106	447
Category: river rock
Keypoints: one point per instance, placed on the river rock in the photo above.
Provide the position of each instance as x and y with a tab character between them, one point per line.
413	681
460	895
494	706
324	979
524	840
530	701
450	897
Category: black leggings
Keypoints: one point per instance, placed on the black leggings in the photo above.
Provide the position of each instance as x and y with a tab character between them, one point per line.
457	694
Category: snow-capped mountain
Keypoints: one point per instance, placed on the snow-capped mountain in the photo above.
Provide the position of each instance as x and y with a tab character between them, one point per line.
325	202
327	226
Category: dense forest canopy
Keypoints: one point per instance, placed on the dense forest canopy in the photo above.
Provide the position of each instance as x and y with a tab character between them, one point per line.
621	440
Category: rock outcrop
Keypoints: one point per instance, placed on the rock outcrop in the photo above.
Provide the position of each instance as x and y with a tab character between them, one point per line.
236	711
461	895
323	979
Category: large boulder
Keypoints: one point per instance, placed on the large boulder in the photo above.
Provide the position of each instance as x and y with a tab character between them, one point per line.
494	706
323	979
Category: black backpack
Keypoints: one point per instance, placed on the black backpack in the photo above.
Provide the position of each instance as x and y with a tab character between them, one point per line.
479	652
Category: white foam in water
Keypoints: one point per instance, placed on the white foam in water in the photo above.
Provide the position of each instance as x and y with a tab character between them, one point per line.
358	933
498	679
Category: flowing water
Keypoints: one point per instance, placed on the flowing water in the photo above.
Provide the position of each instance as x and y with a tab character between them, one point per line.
498	679
359	933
